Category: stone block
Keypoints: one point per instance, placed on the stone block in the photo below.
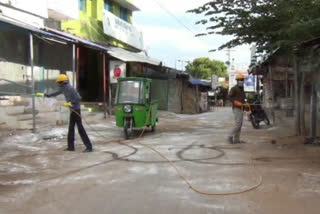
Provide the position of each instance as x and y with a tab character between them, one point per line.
23	117
28	110
24	125
12	110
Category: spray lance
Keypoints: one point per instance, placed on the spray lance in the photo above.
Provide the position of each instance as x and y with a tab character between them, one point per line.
67	104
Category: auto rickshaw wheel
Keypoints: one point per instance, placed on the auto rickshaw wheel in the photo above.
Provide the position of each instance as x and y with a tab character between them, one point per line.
127	128
153	128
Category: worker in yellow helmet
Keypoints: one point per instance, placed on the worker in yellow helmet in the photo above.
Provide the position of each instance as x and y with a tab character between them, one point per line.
73	102
237	97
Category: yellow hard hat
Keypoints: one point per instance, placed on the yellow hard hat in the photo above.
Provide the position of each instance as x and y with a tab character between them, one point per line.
62	78
240	77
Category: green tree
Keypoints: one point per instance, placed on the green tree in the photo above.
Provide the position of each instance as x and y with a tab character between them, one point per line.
204	68
269	24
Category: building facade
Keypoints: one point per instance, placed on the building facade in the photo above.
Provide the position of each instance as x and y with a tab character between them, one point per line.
108	22
80	38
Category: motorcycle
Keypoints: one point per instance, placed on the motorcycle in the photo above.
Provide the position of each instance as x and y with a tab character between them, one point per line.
257	115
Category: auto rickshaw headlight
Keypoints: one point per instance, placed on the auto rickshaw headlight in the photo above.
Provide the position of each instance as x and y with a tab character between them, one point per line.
127	108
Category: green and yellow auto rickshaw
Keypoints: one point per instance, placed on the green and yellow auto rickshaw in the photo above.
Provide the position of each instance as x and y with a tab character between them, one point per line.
134	107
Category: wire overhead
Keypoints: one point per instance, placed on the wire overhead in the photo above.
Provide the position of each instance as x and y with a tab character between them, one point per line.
174	16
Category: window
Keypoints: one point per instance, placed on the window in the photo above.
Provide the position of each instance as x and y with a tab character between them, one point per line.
130	92
82	5
108	5
124	14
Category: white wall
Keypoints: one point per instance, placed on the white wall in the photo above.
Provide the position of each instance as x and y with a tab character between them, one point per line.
63	9
25	11
37	7
18	16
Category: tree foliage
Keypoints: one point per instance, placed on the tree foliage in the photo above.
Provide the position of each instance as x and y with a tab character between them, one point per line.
204	68
269	24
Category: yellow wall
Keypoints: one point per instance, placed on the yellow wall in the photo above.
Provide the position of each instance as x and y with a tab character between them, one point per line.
89	25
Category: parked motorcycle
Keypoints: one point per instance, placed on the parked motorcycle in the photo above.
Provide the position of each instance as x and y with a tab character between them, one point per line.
257	115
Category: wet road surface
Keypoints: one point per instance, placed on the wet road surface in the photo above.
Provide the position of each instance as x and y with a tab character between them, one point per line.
36	176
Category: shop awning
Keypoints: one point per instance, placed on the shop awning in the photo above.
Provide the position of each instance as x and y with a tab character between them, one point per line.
128	56
28	28
78	39
118	53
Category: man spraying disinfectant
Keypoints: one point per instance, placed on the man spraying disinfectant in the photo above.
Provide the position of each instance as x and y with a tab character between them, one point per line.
73	102
237	97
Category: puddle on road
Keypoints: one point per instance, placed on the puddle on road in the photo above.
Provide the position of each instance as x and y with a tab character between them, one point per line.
150	170
18	182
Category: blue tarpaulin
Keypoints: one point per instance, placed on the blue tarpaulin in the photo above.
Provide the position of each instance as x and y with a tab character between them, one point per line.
194	81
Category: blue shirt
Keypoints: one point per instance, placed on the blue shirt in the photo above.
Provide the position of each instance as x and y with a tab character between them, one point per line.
69	93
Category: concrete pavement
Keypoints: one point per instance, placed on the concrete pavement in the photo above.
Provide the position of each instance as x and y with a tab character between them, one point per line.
36	176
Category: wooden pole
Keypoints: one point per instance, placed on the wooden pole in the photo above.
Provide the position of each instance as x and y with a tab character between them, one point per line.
197	99
272	93
287	92
313	114
74	65
104	85
32	82
181	97
296	96
78	68
168	89
302	105
258	87
110	95
287	85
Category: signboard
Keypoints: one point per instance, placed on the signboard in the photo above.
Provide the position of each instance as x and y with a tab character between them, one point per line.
250	82
214	81
121	30
117	70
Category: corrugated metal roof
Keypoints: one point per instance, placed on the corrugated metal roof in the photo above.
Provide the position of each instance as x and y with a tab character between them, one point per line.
31	29
128	56
118	53
265	59
78	39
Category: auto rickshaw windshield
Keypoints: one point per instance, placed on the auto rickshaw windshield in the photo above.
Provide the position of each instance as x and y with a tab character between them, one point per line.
130	92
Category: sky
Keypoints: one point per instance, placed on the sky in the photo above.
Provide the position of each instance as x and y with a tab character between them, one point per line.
166	39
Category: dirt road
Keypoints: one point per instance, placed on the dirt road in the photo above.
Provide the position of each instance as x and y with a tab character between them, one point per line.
36	176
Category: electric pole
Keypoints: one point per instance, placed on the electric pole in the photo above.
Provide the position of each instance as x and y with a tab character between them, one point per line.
229	58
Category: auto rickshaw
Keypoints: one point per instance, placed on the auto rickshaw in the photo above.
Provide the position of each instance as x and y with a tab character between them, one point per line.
134	107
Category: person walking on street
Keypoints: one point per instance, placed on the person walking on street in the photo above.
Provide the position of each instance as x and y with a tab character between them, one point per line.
237	97
73	102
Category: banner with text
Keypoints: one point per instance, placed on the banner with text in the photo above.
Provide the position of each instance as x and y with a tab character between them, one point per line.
121	30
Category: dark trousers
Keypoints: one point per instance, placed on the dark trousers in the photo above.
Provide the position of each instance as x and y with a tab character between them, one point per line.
76	119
